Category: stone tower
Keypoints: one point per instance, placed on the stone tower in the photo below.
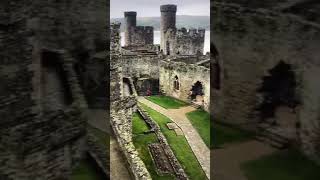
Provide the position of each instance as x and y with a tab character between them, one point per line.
168	21
130	22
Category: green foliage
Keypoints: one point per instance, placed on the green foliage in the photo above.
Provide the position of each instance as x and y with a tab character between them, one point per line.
284	165
200	120
179	146
167	102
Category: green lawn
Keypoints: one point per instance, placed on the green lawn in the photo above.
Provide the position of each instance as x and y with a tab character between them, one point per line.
179	146
138	124
200	120
141	142
285	165
86	171
222	134
167	102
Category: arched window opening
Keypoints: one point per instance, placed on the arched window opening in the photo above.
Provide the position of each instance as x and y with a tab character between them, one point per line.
168	48
278	93
176	84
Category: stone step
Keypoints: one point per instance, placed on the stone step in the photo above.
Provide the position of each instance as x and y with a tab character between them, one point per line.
271	142
273	139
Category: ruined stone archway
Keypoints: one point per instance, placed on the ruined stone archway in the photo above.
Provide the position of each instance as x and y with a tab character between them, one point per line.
197	93
279	99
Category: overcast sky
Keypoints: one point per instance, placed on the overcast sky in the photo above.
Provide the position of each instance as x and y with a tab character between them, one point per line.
151	8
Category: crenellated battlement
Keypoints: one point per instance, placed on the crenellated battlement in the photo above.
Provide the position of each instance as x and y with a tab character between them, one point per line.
178	41
183	32
146	29
136	35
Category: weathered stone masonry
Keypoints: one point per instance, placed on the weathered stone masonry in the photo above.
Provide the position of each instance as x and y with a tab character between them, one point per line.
122	108
250	42
136	35
178	41
37	142
188	75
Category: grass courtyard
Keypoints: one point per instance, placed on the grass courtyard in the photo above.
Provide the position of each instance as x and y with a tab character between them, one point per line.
102	137
200	120
179	145
86	170
141	141
282	165
167	102
223	134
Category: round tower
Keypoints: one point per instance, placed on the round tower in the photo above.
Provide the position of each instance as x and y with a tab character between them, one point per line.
130	22
168	21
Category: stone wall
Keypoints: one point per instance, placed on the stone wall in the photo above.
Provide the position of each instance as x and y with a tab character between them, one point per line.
250	42
137	66
184	42
93	77
188	75
136	35
121	109
190	42
141	35
37	142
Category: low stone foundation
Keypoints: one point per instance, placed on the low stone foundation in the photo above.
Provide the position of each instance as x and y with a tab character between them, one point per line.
177	168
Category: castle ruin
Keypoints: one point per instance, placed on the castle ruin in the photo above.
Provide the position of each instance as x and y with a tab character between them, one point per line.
141	67
178	41
136	35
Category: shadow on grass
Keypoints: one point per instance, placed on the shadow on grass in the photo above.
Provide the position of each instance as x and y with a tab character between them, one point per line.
284	165
87	170
222	134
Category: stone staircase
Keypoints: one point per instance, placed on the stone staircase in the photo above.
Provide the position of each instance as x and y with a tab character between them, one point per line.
271	136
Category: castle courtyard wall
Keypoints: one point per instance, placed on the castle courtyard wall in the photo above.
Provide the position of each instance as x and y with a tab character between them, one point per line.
250	42
188	75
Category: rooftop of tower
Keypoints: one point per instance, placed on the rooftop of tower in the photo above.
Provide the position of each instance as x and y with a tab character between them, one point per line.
168	8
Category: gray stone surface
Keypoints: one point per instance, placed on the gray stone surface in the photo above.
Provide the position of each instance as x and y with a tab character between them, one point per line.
252	41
